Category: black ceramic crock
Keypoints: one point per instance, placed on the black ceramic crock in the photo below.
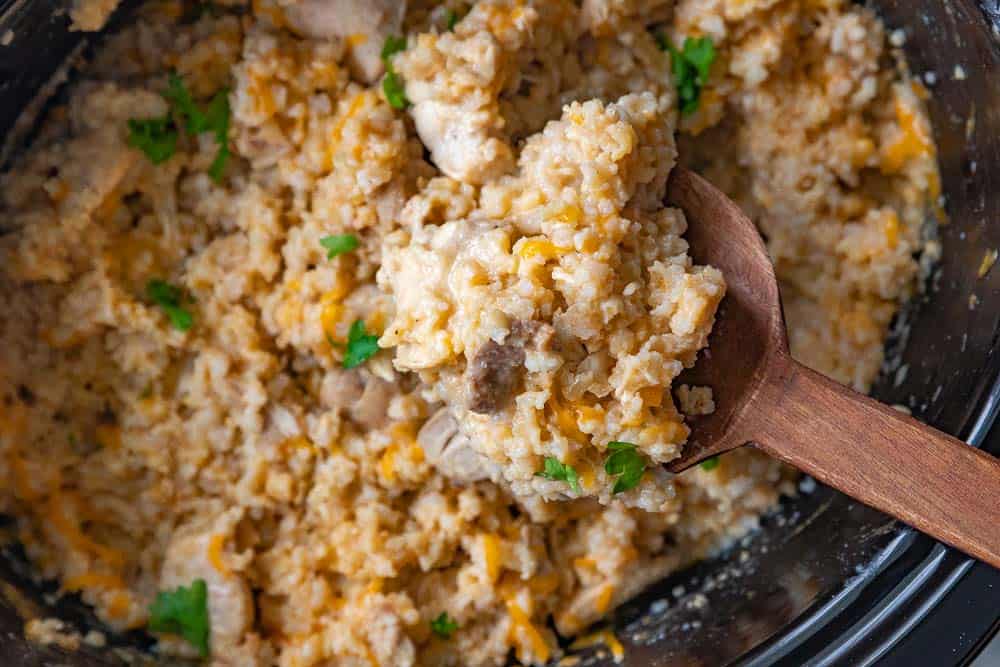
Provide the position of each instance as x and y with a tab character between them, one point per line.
825	581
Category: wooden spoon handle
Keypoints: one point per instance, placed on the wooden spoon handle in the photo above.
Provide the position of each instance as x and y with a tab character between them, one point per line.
881	456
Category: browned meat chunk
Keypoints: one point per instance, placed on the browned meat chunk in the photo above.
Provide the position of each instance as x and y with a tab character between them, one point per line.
496	369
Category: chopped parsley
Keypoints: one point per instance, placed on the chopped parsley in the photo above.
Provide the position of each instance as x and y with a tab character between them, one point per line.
392	83
215	119
451	19
183	105
625	462
691	66
710	464
156	137
338	244
560	472
361	346
444	626
393	44
168	297
218	124
184	612
395	93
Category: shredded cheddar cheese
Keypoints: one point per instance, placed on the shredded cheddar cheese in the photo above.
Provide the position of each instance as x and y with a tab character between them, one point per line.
605	637
387	464
989	259
215	549
491	555
538	247
524	634
911	142
891	228
603	600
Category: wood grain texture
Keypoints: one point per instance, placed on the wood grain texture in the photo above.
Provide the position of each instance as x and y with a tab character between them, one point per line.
868	450
880	456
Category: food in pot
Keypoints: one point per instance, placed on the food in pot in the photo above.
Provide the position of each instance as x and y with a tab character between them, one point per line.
342	333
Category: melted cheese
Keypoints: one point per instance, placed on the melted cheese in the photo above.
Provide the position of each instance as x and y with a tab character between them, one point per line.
538	247
605	637
215	549
492	556
891	229
911	142
603	599
387	464
523	633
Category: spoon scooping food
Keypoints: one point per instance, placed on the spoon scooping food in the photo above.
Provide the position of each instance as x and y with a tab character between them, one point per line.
870	451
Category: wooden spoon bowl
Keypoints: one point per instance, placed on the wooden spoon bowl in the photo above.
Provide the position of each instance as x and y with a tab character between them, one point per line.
868	450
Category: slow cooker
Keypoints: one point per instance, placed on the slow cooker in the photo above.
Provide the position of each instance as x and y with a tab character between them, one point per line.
825	580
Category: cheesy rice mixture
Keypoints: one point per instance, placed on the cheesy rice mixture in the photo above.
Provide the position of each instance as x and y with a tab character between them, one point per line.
345	333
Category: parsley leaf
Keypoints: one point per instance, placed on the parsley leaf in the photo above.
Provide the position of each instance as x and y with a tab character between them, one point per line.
392	84
710	464
393	45
451	19
444	626
184	612
691	66
395	94
168	297
560	472
338	244
217	121
156	137
361	346
183	105
625	462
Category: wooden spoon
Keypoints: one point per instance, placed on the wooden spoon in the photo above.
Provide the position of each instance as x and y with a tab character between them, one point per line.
868	450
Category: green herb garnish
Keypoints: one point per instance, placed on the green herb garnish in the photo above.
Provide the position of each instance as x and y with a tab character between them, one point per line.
451	19
184	612
560	472
217	119
338	244
393	45
361	346
710	464
444	626
392	83
168	297
394	90
625	462
690	66
156	137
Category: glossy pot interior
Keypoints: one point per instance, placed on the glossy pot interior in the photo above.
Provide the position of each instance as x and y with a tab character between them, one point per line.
825	579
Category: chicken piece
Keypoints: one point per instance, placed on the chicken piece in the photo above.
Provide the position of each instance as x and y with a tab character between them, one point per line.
364	23
453	83
451	452
460	141
364	397
230	603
